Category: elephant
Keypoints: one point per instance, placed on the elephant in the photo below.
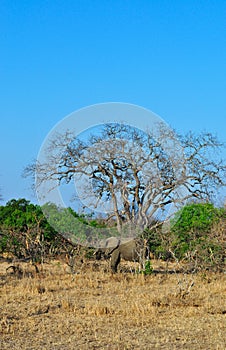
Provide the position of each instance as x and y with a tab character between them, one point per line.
108	246
132	250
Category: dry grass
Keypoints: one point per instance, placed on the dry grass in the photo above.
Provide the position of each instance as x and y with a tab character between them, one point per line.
53	309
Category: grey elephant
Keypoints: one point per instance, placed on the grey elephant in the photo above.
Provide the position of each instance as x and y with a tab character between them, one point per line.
107	247
133	250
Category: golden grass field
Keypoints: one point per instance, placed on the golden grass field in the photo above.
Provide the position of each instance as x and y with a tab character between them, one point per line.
93	309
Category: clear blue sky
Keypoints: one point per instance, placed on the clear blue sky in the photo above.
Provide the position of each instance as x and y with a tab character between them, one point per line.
59	56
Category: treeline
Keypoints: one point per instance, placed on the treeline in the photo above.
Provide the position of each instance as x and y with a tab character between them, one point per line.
197	234
25	232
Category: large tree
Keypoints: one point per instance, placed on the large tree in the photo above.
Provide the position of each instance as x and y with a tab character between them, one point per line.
140	175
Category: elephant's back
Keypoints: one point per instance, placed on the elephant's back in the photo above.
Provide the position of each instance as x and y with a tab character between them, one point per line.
129	251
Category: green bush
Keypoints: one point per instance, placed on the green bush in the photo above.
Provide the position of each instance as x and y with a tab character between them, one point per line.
196	235
148	268
26	232
192	237
197	218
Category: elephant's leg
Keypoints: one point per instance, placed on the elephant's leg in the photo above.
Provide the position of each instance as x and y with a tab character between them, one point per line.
98	254
115	260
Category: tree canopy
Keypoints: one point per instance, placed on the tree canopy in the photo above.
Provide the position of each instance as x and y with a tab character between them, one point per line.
27	233
138	175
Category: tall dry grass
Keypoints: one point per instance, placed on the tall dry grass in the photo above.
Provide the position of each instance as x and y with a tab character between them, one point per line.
93	309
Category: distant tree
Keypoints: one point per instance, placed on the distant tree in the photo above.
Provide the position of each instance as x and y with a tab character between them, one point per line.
140	173
196	236
196	218
25	232
193	235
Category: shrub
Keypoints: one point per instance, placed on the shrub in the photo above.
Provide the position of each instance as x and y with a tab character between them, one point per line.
192	238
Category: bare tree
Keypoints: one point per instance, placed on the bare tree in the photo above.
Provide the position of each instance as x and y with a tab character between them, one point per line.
140	175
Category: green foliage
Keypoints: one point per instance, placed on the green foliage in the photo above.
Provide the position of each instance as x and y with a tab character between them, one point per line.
148	268
21	216
26	232
197	218
3	242
158	241
77	228
197	235
191	234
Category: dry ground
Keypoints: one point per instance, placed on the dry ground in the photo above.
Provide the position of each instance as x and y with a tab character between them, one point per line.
93	309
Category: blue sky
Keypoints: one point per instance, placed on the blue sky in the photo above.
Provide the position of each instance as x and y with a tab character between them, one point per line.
59	56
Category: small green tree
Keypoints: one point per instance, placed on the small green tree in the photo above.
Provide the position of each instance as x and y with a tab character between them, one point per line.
192	236
25	231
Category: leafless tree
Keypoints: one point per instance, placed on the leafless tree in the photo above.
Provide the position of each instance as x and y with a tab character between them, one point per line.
139	174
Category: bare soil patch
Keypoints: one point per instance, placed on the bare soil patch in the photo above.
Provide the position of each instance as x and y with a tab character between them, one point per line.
93	309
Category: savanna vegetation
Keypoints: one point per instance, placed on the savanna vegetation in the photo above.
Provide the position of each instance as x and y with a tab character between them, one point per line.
138	174
93	309
55	295
196	236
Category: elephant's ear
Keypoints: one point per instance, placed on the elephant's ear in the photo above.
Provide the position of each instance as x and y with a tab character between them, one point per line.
112	243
